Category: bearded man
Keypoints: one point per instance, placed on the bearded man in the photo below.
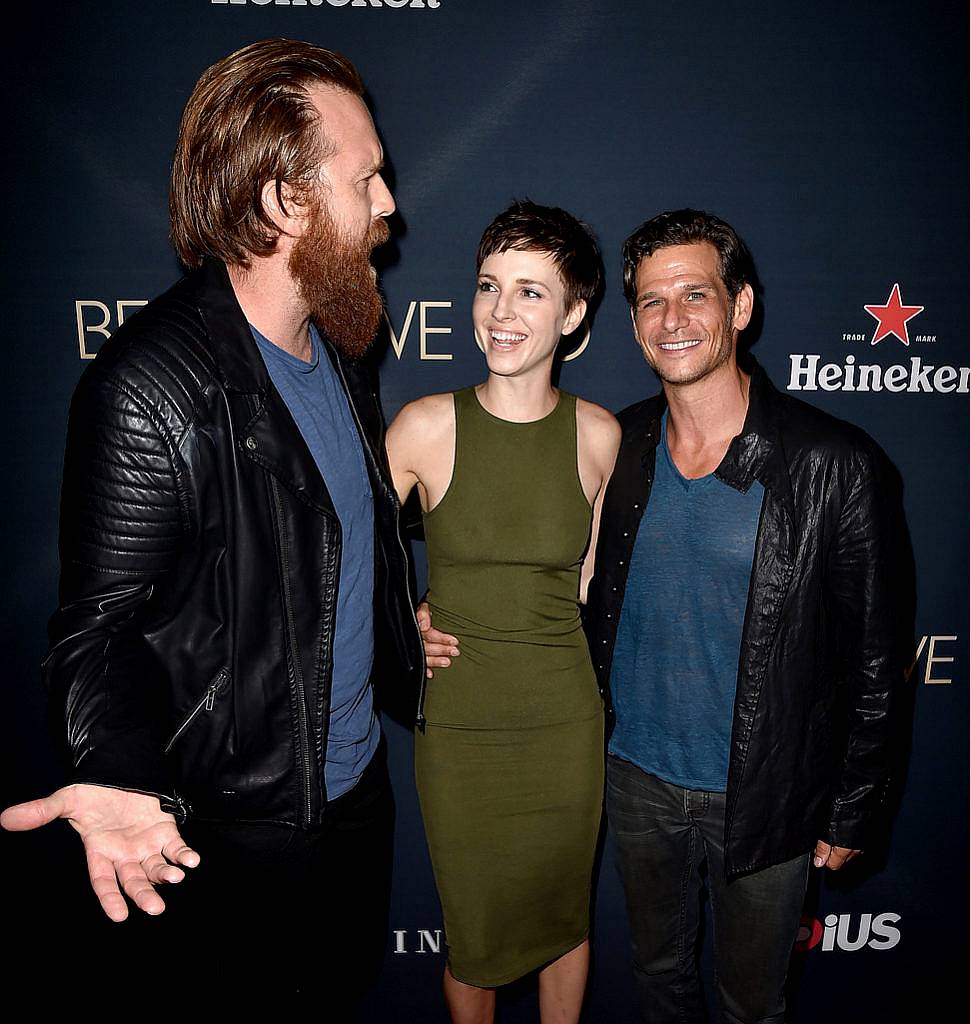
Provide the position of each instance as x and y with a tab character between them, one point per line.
232	580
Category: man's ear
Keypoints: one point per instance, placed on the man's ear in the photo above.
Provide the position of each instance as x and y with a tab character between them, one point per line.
574	317
283	206
743	307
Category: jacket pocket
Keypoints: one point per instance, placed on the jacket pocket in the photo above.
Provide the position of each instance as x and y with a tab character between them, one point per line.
216	688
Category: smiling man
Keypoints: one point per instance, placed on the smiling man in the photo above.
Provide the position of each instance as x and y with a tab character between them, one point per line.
231	576
744	619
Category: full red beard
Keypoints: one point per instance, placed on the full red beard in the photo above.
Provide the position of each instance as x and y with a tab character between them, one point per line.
335	279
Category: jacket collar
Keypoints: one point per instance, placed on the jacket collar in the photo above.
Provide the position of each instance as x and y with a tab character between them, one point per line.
758	453
231	342
240	366
274	438
642	428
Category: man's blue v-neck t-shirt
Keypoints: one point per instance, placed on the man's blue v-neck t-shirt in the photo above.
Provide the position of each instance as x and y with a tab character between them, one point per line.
675	665
318	403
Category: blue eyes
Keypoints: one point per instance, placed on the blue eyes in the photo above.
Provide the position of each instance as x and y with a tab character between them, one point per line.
689	297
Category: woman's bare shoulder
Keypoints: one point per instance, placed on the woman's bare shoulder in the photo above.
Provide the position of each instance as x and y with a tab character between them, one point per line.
428	414
597	426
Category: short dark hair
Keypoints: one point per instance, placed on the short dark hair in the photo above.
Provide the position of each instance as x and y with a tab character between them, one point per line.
685	227
249	120
529	227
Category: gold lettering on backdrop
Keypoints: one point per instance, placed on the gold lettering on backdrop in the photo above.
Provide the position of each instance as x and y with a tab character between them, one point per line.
102	326
932	658
426	330
928	643
398	341
124	304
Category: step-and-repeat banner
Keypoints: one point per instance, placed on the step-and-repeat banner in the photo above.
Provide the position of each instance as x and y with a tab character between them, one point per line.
832	135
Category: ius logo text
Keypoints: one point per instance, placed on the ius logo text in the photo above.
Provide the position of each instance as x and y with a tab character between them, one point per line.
840	932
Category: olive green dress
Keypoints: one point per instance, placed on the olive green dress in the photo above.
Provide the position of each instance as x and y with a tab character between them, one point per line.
510	765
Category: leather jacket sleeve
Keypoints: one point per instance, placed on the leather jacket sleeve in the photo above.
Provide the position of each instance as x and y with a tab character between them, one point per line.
862	594
122	524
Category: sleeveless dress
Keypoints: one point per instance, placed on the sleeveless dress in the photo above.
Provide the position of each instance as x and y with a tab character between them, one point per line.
509	768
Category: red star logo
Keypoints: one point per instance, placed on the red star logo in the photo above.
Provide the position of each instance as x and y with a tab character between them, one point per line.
892	317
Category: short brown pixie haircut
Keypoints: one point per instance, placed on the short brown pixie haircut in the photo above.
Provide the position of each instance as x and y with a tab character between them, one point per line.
528	227
249	120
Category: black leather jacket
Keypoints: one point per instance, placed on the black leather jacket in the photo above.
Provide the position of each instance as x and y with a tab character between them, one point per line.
821	643
200	555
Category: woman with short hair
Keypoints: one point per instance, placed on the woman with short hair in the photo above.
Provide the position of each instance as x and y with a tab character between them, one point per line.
509	751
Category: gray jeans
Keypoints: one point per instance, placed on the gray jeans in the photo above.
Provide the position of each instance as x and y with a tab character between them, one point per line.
664	835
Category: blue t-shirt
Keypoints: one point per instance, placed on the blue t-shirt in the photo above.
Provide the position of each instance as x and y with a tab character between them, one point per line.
675	665
313	393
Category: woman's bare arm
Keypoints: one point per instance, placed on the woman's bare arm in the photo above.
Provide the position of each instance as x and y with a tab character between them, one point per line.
421	448
598	440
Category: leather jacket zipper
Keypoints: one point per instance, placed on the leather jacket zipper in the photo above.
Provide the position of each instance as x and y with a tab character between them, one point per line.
218	686
419	719
294	656
396	505
176	805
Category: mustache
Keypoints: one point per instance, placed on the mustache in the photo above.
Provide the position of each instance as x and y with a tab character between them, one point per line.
378	233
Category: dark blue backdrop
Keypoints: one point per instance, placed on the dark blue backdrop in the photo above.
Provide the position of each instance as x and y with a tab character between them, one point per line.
833	136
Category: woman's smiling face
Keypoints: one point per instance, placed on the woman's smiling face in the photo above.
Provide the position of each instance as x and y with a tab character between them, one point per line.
519	313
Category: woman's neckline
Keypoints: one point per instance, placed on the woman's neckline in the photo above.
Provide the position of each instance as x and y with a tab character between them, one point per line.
517	423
